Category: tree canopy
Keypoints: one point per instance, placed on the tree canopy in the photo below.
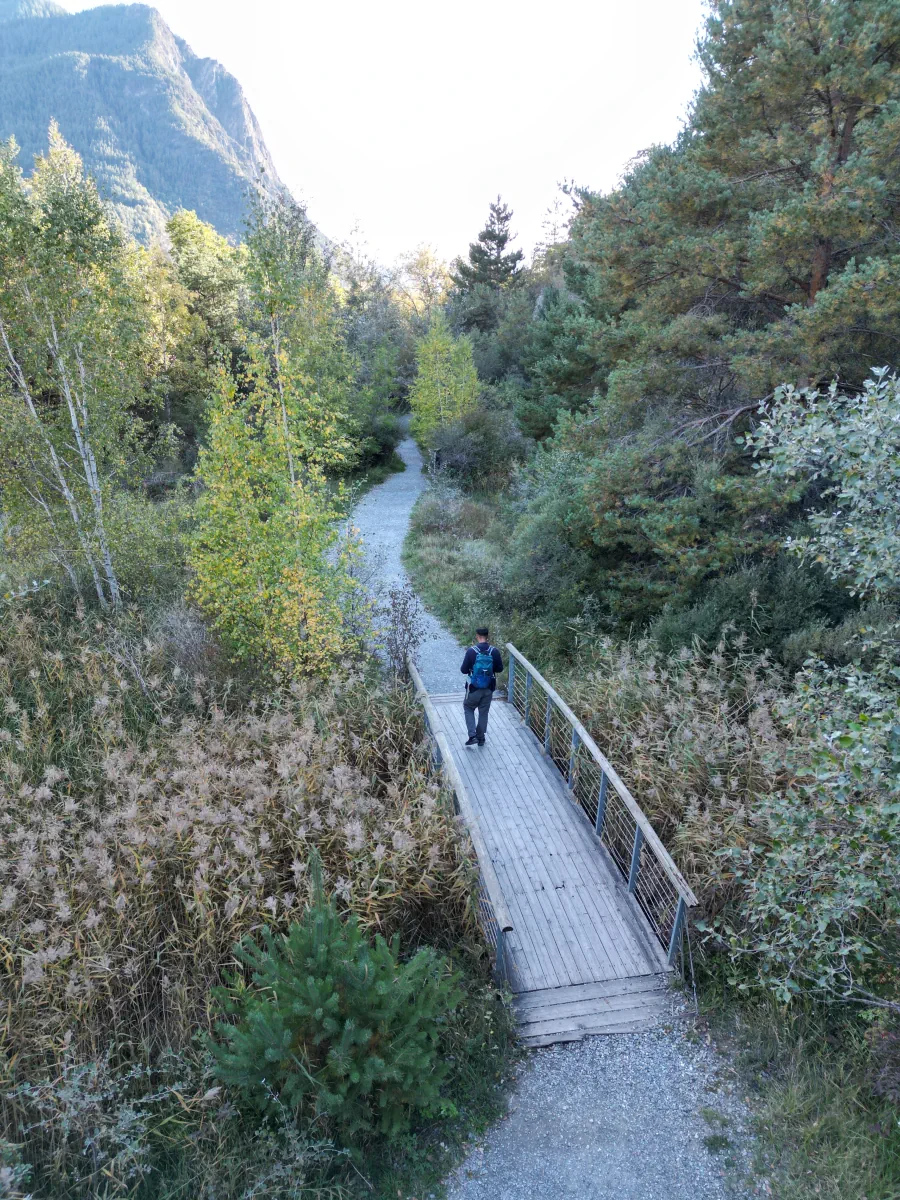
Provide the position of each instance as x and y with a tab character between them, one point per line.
446	385
490	262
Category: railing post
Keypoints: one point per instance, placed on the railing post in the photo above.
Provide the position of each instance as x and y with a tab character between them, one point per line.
635	858
547	715
500	963
601	805
511	682
576	740
528	700
676	931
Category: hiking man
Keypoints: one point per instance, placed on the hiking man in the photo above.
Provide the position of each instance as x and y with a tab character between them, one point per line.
482	664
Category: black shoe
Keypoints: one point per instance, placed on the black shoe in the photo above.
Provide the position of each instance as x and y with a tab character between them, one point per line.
481	743
472	741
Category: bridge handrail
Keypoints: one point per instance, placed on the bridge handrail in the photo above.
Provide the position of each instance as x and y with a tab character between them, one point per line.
666	915
650	835
498	914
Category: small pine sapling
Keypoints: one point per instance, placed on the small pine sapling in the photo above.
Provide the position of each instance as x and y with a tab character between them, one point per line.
336	1027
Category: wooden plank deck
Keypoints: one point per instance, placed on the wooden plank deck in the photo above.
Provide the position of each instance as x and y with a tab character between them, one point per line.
581	956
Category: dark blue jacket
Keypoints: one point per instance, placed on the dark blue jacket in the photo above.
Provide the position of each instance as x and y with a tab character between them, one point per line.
469	661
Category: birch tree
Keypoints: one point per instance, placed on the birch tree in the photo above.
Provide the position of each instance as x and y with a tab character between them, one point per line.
72	341
298	329
271	571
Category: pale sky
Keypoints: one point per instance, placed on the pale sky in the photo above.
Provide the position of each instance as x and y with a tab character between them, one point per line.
406	118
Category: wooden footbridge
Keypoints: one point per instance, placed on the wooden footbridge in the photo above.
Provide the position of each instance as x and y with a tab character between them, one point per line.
583	906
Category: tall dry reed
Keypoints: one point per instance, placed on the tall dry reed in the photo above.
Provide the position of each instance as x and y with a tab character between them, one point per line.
148	821
695	736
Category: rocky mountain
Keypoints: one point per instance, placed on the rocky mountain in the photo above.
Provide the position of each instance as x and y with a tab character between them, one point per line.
158	128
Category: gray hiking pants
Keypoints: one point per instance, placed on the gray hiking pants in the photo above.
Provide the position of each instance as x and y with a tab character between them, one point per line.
480	699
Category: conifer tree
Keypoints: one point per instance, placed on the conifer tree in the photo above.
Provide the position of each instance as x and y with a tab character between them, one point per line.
446	386
762	246
335	1027
799	114
490	263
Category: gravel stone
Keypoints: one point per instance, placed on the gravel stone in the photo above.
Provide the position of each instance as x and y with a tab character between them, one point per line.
619	1117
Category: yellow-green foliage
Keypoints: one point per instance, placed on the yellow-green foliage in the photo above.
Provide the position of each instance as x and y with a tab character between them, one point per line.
268	570
446	385
77	335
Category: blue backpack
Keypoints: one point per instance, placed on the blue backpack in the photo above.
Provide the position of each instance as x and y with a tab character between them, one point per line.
482	673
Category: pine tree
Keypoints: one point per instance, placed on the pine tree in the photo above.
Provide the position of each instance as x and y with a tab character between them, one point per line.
762	246
336	1027
490	263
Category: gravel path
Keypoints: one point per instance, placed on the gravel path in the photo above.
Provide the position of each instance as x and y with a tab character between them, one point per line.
650	1116
647	1116
383	519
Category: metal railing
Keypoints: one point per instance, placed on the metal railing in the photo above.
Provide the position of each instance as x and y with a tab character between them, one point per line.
493	915
653	879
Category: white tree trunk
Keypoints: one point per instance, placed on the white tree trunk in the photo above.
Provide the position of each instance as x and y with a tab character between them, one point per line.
56	466
79	419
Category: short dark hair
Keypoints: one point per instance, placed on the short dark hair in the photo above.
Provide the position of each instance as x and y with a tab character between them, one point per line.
483	632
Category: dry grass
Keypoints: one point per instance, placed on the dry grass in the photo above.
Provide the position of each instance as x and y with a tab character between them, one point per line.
694	735
147	821
451	556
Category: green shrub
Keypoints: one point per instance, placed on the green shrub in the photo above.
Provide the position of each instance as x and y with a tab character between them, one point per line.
822	905
481	449
444	509
772	603
336	1027
160	1131
842	643
149	541
384	434
636	523
151	544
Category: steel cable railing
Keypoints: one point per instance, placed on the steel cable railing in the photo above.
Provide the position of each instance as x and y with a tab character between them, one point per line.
623	828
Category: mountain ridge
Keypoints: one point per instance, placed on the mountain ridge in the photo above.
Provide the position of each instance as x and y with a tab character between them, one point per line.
19	10
159	127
